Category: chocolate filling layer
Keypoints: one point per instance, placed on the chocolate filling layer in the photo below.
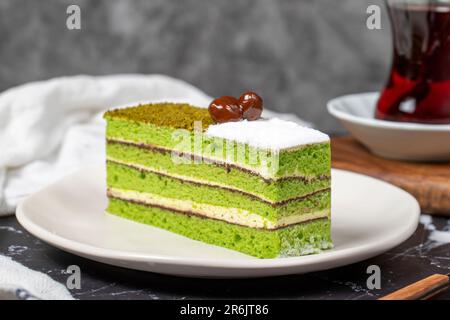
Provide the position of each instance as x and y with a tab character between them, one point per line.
227	166
190	213
273	204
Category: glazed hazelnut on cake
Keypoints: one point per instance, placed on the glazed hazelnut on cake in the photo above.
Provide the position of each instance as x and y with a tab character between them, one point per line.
223	175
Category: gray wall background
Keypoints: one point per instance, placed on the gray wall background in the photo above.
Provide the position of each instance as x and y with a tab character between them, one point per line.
296	53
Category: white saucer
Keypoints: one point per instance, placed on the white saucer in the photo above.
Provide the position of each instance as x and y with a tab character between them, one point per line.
389	139
368	217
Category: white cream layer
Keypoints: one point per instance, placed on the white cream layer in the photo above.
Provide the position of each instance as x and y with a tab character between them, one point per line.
273	134
231	215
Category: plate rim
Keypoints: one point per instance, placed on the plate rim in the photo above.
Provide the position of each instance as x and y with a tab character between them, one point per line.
333	109
364	250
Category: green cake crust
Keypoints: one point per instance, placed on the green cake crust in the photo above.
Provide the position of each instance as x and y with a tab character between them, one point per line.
171	115
300	239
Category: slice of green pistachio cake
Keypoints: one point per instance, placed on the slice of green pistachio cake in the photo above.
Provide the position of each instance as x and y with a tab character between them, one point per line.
260	187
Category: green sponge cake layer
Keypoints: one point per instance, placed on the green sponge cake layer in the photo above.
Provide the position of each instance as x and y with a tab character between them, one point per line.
300	239
123	177
158	160
308	161
232	215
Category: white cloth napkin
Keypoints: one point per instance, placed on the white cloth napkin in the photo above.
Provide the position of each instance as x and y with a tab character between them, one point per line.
51	128
21	283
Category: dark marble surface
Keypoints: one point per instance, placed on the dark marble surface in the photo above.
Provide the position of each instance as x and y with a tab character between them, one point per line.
416	258
297	53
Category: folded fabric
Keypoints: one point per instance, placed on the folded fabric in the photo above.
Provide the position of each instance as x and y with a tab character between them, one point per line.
21	283
51	128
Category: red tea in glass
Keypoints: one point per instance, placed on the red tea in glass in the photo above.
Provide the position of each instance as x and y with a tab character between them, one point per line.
418	89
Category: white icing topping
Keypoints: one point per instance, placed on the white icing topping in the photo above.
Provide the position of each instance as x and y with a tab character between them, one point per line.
273	134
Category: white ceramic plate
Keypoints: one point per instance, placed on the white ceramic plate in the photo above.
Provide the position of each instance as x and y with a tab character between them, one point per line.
389	139
368	217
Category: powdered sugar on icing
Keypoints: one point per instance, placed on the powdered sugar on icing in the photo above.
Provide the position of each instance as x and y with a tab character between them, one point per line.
273	134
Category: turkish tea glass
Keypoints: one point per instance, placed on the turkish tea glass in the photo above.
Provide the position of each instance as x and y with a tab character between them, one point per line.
418	88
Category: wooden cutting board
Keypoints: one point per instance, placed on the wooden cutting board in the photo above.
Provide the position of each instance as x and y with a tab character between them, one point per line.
428	182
